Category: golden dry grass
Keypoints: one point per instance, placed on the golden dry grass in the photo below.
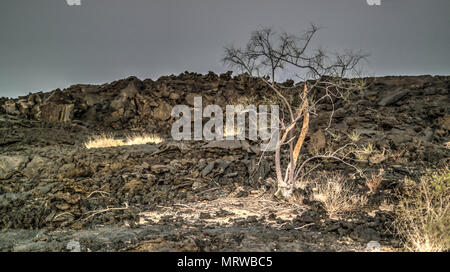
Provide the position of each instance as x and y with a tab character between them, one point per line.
143	139
423	214
106	140
338	196
102	140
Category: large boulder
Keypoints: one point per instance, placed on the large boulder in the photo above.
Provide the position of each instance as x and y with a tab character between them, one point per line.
52	112
35	166
124	97
10	107
9	165
163	111
393	97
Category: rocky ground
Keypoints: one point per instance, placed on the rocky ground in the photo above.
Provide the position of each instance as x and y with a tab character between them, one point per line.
203	196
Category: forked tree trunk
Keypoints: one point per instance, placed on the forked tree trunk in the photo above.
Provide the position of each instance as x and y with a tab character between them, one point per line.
286	184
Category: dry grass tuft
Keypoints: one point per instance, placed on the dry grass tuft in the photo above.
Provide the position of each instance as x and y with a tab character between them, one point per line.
423	215
143	139
338	196
105	140
374	181
365	152
355	136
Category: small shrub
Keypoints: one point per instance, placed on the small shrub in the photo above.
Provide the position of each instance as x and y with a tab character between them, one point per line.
374	181
423	215
338	196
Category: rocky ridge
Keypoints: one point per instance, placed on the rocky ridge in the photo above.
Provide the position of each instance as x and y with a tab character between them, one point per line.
49	180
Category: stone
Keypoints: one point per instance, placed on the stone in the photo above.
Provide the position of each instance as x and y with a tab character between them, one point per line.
10	107
163	111
122	100
190	98
208	169
35	166
174	96
365	234
222	164
24	105
225	144
393	98
427	134
70	170
196	185
44	188
160	169
399	136
133	186
63	206
52	112
205	215
242	193
9	165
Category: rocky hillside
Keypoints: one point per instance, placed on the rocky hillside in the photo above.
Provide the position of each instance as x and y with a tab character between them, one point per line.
130	103
49	180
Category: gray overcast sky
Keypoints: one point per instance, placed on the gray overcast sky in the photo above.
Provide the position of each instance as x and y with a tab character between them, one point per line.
47	44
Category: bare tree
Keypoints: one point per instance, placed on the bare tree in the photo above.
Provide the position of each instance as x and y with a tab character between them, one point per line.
268	51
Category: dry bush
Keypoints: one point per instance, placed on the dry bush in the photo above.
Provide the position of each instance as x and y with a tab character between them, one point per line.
374	181
338	196
105	140
423	214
